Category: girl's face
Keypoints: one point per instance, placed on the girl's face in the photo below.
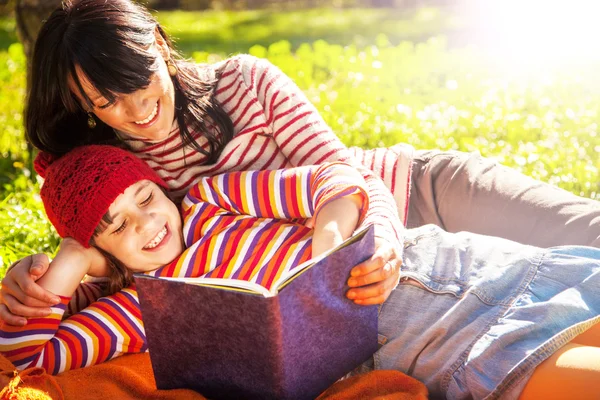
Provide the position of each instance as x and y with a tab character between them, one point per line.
146	231
144	114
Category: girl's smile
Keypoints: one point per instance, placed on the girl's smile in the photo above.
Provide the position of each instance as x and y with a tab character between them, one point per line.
161	239
142	228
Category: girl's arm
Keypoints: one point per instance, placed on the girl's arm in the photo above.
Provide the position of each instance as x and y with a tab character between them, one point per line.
71	264
106	329
232	226
305	139
293	193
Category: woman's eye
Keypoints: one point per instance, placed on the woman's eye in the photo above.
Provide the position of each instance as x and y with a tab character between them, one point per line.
121	228
107	105
148	200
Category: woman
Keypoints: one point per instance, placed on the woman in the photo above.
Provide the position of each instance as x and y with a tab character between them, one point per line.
105	72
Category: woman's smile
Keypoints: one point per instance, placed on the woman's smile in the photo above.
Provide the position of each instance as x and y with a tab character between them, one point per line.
150	119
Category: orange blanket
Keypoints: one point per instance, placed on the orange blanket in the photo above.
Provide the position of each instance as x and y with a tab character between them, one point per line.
130	377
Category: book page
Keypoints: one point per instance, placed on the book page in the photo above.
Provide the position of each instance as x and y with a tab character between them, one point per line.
255	288
286	278
225	283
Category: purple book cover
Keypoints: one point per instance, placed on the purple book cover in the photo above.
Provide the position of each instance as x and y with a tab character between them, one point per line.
228	344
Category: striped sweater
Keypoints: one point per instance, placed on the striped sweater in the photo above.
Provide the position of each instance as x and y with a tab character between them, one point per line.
242	225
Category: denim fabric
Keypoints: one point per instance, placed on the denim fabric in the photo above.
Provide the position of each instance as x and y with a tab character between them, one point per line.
474	315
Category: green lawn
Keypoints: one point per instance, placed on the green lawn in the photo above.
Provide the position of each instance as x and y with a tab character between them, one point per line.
379	77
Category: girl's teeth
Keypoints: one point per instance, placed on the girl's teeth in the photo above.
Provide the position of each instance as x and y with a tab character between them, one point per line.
152	115
157	239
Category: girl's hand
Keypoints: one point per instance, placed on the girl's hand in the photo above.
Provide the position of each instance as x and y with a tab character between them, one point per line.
21	296
373	280
71	264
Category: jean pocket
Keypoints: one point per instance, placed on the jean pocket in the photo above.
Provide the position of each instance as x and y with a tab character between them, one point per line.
493	269
456	289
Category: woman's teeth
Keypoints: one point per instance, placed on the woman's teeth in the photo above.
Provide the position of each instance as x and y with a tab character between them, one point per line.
149	118
156	241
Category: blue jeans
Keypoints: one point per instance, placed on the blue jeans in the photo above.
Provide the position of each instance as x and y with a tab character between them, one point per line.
474	315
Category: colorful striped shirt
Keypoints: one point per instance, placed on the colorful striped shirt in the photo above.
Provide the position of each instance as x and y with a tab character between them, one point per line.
243	225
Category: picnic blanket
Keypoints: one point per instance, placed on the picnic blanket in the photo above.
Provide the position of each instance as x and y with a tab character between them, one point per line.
130	377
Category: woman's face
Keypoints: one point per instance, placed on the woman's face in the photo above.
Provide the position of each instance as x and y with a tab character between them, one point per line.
146	231
146	113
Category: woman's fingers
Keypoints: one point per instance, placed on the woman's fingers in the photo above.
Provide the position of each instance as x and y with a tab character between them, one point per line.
18	309
372	281
383	253
9	318
21	282
376	293
39	265
380	274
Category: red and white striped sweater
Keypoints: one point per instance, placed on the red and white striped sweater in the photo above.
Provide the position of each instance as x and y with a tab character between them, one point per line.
275	127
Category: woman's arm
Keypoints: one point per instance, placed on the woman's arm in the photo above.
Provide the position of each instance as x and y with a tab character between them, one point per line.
30	286
104	330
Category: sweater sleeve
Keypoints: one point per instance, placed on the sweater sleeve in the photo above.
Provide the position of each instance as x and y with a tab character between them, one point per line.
291	193
85	294
106	329
305	139
250	225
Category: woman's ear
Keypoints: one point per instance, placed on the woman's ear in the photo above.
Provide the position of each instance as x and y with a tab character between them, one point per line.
161	45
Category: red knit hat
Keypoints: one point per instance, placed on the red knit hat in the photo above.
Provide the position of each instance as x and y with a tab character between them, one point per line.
80	186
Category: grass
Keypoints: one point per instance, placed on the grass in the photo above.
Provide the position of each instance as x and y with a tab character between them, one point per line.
379	77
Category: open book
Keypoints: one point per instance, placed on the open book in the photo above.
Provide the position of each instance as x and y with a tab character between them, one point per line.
232	339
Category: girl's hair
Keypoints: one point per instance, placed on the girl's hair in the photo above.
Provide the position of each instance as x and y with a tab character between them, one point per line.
109	41
119	276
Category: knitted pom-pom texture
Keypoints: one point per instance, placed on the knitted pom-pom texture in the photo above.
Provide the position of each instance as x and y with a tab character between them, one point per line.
42	162
80	186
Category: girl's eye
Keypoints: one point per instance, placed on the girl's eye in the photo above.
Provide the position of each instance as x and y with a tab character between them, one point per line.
121	228
148	199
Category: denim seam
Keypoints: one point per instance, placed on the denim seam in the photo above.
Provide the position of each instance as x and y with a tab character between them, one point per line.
445	381
464	288
544	352
561	339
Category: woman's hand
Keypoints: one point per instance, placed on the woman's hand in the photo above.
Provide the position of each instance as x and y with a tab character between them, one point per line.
20	296
372	281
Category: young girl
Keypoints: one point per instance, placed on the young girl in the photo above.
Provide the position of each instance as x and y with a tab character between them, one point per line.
106	197
104	71
473	316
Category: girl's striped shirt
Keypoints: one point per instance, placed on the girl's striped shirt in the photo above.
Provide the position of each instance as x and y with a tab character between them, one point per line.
243	225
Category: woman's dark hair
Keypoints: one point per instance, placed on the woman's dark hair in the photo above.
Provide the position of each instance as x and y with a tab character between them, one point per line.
108	40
